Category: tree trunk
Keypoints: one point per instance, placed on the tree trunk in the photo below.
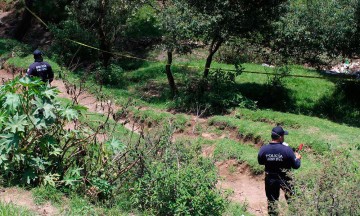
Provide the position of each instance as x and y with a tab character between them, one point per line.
214	47
170	76
25	22
105	43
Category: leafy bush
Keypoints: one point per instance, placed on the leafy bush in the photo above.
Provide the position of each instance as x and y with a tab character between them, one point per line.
14	47
113	75
177	181
241	50
70	53
215	94
143	23
47	193
36	148
332	189
30	147
180	185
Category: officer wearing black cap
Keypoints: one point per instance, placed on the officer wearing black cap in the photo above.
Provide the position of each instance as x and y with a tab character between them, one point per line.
40	68
278	160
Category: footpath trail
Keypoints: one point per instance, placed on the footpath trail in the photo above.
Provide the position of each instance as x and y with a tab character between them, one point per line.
235	177
246	188
25	199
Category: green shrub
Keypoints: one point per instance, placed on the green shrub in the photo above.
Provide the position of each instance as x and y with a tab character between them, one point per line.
113	75
14	47
235	209
177	181
216	94
36	148
143	23
47	193
332	189
70	53
185	189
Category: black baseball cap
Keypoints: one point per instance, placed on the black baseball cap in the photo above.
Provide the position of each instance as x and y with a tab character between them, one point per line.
37	53
279	131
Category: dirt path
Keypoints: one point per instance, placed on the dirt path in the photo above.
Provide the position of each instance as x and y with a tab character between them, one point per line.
246	188
24	199
236	177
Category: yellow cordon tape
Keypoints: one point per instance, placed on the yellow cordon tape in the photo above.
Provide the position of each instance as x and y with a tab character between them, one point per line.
112	53
179	65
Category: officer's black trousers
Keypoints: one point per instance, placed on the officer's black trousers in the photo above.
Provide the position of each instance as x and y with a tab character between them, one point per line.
273	183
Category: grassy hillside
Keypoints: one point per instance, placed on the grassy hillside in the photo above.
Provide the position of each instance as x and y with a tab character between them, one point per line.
147	86
317	134
303	106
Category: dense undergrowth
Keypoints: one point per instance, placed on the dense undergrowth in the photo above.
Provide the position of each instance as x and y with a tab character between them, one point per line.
37	149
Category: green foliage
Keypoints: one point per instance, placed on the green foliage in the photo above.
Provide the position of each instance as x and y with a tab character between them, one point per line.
69	53
11	209
45	194
179	25
331	189
143	23
95	23
216	94
112	75
46	10
228	18
180	184
313	28
235	209
25	139
237	50
35	146
14	47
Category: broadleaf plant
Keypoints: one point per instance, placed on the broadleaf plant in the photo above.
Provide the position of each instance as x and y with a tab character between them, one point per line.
35	146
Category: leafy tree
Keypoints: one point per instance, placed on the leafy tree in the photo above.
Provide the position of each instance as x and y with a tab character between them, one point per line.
177	27
219	20
105	20
312	28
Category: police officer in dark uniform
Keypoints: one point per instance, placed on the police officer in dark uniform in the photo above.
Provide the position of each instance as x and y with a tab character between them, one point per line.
278	160
40	68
